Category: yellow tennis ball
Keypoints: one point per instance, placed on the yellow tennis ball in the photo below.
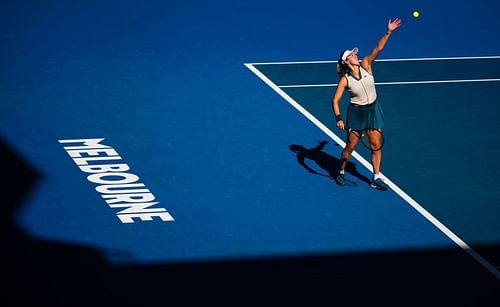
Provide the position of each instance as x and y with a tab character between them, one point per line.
416	14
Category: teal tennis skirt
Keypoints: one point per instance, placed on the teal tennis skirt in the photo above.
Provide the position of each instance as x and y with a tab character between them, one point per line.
361	117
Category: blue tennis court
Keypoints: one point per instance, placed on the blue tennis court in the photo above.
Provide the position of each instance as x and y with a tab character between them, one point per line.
181	153
431	161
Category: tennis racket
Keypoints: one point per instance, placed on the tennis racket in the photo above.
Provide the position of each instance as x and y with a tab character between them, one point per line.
365	140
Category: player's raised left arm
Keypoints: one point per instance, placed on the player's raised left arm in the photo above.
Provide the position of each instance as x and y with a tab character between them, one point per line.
391	26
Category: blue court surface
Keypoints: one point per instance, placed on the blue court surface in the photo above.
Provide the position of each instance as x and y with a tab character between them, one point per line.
181	152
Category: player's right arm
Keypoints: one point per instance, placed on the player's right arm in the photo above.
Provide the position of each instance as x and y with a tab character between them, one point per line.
336	100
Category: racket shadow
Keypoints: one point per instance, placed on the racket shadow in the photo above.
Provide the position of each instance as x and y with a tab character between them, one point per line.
326	162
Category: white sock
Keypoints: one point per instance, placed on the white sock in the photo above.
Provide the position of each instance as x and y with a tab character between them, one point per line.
341	172
377	176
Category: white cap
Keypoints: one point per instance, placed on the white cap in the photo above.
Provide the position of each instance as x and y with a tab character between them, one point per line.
347	53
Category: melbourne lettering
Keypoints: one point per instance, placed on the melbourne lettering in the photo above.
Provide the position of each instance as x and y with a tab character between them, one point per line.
121	189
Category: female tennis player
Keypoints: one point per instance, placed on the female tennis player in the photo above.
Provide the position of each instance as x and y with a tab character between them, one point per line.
364	113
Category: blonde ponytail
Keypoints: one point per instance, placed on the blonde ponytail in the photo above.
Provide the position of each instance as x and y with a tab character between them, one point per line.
341	68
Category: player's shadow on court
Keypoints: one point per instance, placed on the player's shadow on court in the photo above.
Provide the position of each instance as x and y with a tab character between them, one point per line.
326	162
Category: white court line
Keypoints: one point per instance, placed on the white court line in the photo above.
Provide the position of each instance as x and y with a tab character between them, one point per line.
391	184
384	60
394	83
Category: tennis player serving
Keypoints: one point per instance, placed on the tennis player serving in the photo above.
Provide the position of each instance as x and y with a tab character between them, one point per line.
364	113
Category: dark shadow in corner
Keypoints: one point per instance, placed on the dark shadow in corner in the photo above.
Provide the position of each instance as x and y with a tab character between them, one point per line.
43	273
325	161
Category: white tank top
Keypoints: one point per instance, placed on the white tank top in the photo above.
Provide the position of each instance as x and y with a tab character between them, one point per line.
362	90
